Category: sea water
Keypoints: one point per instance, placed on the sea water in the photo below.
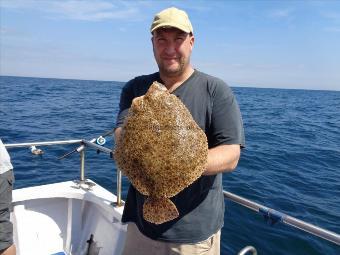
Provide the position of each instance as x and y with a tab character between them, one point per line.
291	162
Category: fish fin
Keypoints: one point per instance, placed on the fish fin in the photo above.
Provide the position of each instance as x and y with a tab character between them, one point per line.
159	210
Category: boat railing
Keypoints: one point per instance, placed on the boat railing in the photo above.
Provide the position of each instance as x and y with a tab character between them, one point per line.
83	144
274	216
269	214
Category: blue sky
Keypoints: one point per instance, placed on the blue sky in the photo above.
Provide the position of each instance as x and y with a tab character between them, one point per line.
278	44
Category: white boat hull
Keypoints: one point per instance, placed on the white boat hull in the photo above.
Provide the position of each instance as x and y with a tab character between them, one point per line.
60	219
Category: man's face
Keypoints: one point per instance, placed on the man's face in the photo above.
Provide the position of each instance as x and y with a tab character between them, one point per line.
172	49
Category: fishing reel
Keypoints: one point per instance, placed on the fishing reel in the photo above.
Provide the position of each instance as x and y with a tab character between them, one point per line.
100	140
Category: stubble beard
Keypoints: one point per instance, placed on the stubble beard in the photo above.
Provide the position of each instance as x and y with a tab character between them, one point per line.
173	72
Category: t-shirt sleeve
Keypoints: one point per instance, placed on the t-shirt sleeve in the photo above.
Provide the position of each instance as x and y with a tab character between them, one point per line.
226	120
126	98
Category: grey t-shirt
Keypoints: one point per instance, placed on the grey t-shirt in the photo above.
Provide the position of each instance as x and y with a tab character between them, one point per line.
201	205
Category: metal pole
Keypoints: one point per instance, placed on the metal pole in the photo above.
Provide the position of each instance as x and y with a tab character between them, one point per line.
82	166
286	219
19	145
247	249
119	187
97	147
315	230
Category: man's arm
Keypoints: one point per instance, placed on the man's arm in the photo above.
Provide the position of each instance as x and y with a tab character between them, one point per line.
118	132
223	158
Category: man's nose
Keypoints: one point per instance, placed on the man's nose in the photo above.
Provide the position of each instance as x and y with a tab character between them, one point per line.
170	49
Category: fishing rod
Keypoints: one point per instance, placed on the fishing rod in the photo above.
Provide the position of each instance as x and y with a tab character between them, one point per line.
274	216
100	140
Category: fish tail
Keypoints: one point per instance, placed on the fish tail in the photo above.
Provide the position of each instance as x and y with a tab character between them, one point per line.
159	210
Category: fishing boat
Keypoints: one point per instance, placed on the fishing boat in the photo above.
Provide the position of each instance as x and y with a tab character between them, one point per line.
80	217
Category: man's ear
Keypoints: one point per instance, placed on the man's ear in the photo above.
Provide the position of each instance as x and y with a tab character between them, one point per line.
192	41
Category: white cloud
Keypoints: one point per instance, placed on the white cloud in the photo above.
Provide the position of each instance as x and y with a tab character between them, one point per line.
333	29
331	15
281	13
334	21
3	31
90	10
93	10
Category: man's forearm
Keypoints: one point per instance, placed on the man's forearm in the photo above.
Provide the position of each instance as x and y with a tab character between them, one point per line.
118	132
223	158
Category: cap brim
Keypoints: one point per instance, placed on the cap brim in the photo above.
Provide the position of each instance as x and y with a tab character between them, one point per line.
167	25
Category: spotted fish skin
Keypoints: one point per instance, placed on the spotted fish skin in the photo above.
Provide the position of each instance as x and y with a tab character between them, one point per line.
158	210
162	151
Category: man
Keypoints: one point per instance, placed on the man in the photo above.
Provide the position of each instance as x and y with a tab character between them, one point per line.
214	108
6	182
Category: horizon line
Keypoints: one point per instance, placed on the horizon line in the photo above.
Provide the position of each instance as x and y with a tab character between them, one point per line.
233	86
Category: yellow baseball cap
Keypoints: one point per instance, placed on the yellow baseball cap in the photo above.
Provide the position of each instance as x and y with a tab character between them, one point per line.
172	17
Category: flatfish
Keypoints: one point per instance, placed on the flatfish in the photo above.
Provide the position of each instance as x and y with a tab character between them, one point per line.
162	151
